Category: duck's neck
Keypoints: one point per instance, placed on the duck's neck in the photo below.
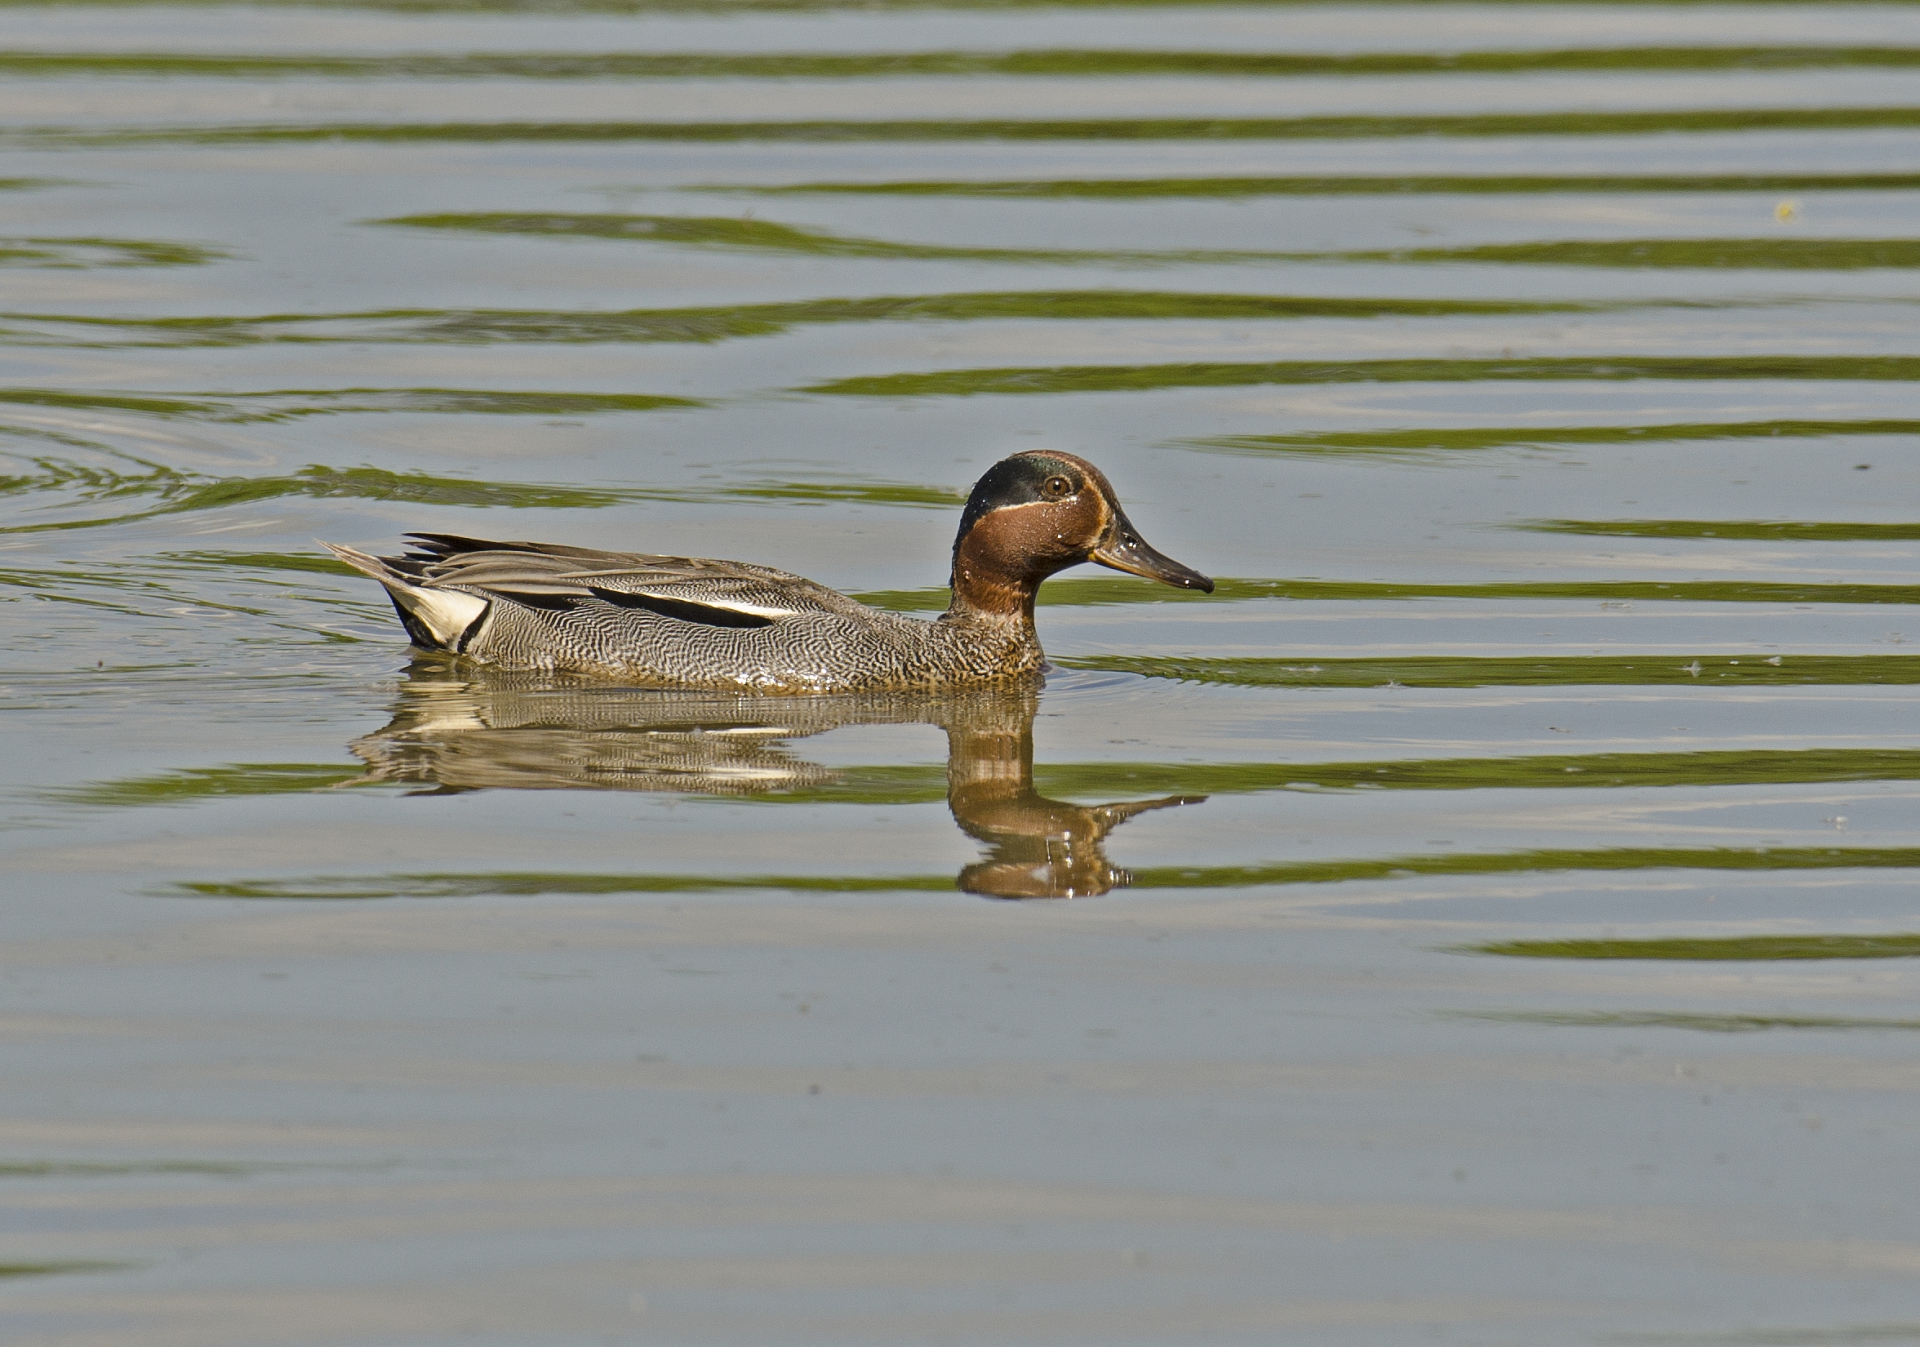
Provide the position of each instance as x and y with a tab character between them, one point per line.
985	587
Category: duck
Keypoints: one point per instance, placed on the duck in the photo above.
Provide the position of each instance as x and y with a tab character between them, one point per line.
692	622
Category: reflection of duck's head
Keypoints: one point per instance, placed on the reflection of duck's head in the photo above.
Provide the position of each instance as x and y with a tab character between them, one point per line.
1040	512
1049	849
460	728
1039	847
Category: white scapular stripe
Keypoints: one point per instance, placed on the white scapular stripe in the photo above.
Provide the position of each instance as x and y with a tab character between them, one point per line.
444	612
731	605
751	609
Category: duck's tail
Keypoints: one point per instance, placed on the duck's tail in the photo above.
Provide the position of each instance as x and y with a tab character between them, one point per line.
436	619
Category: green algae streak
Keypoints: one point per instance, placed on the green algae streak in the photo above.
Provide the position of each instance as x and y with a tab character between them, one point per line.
287	405
182	492
1676	1019
921	784
1746	530
1585	123
735	234
1770	254
1426	441
1467	672
1723	949
729	322
1091	591
728	7
1585	771
88	1169
60	1267
728	232
1350	185
533	884
1058	63
85	254
1138	378
193	784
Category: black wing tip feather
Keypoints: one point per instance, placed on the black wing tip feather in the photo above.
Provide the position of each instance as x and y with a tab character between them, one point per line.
444	546
684	610
440	546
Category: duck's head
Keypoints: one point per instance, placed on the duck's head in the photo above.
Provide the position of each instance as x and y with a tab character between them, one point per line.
1041	512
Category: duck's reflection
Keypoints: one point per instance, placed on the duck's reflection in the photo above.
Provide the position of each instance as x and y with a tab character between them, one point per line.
458	728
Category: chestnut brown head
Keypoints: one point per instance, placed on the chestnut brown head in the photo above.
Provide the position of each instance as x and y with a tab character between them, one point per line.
1040	512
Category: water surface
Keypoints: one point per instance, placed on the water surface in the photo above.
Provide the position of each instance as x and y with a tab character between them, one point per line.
1488	917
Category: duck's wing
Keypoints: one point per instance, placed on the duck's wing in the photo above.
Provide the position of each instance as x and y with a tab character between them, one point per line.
692	588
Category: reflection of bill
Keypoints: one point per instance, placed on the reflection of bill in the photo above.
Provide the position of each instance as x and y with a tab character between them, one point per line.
1037	848
459	728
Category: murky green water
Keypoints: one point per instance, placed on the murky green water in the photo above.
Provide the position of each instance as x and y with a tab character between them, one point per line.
1493	910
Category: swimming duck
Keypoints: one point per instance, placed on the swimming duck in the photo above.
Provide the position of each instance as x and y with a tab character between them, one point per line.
689	622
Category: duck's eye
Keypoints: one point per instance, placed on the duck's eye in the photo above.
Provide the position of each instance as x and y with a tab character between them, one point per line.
1054	488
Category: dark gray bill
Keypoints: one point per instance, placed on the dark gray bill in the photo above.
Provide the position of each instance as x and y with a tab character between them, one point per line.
1126	551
